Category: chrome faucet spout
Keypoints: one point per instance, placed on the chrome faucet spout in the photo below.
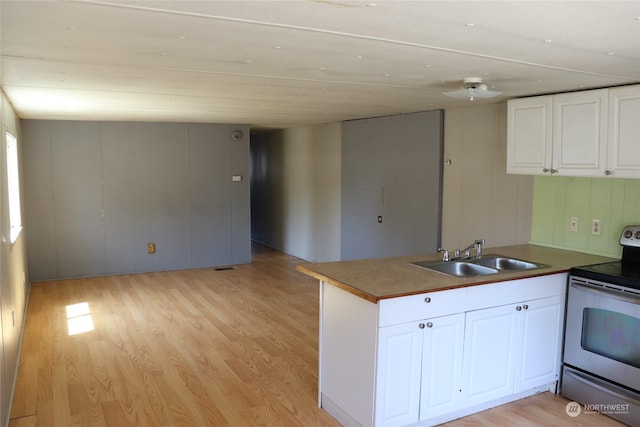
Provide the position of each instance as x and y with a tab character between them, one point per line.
465	253
479	244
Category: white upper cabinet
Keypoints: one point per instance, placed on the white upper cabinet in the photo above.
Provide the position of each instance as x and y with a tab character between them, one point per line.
594	133
624	132
580	133
529	135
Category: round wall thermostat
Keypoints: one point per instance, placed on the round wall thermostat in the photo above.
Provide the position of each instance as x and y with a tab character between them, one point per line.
236	135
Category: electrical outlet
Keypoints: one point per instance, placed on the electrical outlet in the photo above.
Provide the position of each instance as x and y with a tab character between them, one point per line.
596	227
379	219
573	224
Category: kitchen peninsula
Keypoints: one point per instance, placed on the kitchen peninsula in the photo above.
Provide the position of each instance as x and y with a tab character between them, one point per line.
404	345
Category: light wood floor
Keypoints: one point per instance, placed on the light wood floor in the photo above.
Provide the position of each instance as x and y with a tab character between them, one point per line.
198	347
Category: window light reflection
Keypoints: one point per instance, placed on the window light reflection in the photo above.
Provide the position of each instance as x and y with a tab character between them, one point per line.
79	318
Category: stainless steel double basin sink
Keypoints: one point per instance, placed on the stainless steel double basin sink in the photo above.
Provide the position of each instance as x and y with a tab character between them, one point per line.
473	267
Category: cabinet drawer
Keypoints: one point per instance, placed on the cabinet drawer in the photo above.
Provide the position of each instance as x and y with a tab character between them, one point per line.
423	306
514	291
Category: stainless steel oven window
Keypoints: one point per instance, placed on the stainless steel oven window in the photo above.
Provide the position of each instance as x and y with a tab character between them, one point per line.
611	334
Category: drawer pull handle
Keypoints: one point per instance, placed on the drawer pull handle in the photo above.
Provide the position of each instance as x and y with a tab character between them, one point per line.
421	326
427	300
518	308
429	325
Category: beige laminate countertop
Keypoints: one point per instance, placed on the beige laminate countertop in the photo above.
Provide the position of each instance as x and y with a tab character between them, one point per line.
376	279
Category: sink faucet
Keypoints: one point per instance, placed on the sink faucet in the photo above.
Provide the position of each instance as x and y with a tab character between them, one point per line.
465	253
445	254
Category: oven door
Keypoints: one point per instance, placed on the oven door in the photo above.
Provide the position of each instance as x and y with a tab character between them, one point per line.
602	334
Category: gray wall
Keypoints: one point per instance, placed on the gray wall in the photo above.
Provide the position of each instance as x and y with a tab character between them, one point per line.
295	191
391	167
98	192
13	276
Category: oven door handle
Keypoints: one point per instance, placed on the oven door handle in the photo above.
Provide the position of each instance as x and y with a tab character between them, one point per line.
612	293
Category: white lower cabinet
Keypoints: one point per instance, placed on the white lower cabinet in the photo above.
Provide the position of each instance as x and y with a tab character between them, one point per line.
441	366
489	354
399	373
419	370
538	363
426	359
512	348
438	366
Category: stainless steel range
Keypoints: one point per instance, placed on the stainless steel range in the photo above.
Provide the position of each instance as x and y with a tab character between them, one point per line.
602	334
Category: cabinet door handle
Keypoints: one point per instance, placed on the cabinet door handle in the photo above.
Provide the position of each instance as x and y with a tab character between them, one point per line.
608	173
427	300
526	307
545	170
429	325
421	326
518	308
554	171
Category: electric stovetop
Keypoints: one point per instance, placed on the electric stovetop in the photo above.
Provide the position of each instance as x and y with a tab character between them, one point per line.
625	272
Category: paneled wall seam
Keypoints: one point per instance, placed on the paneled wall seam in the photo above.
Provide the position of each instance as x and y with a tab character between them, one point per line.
53	197
230	189
104	225
188	158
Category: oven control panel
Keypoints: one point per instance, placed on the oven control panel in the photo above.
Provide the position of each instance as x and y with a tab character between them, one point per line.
630	236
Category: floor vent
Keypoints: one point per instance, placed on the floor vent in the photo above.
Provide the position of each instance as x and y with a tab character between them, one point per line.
223	268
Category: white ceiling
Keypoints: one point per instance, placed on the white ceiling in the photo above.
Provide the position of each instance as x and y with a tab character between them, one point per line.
275	64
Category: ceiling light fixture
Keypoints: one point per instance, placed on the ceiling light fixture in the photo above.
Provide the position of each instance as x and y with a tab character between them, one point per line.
473	88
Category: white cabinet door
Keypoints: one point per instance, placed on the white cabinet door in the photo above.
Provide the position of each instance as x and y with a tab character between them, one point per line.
442	365
538	357
398	375
624	132
580	133
489	354
529	135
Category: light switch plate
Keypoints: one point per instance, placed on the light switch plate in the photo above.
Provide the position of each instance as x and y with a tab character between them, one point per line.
573	224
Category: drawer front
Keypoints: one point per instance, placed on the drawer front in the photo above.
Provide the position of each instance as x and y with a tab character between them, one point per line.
423	306
515	291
